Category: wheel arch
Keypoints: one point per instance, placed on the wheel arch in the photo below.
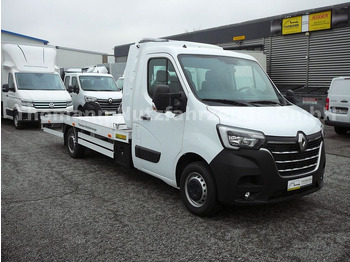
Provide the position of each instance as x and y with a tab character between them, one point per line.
183	162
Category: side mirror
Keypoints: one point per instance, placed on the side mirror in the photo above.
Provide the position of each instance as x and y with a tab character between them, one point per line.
73	89
76	89
290	96
6	88
161	97
164	100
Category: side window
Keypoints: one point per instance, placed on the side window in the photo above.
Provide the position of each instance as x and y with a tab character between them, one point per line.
162	72
11	82
66	82
75	81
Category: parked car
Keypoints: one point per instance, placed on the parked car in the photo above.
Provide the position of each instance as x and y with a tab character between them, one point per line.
337	108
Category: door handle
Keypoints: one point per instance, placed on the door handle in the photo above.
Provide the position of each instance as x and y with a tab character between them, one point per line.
146	117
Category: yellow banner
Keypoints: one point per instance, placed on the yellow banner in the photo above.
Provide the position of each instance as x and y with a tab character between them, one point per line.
291	25
320	21
238	38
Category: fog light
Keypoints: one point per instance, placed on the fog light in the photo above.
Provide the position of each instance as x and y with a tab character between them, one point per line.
247	195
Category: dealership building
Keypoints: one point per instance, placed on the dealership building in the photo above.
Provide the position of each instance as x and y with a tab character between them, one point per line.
304	50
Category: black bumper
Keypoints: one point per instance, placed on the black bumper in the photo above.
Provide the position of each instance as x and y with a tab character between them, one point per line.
254	171
337	123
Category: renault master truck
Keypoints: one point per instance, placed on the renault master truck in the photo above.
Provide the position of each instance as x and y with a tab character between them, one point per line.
207	121
94	92
31	85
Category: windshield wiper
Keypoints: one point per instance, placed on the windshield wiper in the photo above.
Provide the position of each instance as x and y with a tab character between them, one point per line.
226	101
265	102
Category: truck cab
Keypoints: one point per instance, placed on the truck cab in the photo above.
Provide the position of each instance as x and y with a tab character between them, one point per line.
93	93
31	85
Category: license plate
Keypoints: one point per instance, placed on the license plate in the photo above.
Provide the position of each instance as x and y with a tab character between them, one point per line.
343	111
299	183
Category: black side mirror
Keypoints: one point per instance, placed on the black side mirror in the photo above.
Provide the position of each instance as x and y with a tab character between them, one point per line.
73	89
6	88
290	96
164	100
161	97
76	89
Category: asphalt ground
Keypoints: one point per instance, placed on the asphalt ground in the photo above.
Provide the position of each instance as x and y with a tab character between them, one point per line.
55	208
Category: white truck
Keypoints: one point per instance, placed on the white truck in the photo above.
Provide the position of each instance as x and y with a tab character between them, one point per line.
207	121
93	92
31	85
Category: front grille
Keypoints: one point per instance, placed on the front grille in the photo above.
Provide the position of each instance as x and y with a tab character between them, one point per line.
107	106
49	105
290	160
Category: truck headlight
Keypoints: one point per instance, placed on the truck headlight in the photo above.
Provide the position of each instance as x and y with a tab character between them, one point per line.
90	99
27	103
237	138
69	103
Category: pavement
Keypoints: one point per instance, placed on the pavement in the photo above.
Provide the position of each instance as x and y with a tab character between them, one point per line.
55	208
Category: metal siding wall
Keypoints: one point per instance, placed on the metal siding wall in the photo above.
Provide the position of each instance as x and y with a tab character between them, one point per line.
329	56
286	59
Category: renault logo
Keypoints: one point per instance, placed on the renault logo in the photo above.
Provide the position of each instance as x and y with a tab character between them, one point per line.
302	141
110	100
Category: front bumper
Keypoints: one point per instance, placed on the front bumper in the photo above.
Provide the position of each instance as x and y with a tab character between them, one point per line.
32	114
255	171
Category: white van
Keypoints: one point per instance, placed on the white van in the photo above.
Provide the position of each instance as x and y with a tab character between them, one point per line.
31	85
93	93
337	108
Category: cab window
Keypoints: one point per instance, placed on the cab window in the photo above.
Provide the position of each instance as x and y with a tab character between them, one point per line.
11	82
162	72
66	82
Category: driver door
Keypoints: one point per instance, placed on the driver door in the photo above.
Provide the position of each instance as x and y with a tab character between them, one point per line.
160	133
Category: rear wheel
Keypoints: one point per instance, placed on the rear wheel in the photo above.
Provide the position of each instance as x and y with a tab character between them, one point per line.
74	149
340	130
198	189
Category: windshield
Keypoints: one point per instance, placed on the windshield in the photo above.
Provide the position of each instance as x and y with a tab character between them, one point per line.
98	83
39	81
229	80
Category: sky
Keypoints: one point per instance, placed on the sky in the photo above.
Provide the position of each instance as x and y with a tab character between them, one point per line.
100	25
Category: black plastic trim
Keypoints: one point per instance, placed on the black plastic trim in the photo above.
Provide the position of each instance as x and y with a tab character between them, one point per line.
147	154
255	171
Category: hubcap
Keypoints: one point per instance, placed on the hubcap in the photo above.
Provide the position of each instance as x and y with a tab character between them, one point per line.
71	143
196	189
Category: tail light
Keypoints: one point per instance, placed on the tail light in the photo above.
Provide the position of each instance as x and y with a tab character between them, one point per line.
327	104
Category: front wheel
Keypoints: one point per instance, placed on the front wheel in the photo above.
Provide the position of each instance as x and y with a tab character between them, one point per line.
16	121
198	189
74	149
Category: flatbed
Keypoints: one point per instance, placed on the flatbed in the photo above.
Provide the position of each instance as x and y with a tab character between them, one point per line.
99	133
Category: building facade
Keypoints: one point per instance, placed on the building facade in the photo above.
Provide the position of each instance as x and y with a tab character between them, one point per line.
304	50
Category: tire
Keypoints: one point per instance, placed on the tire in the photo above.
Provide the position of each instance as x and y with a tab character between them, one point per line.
74	149
340	130
16	121
198	190
92	109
